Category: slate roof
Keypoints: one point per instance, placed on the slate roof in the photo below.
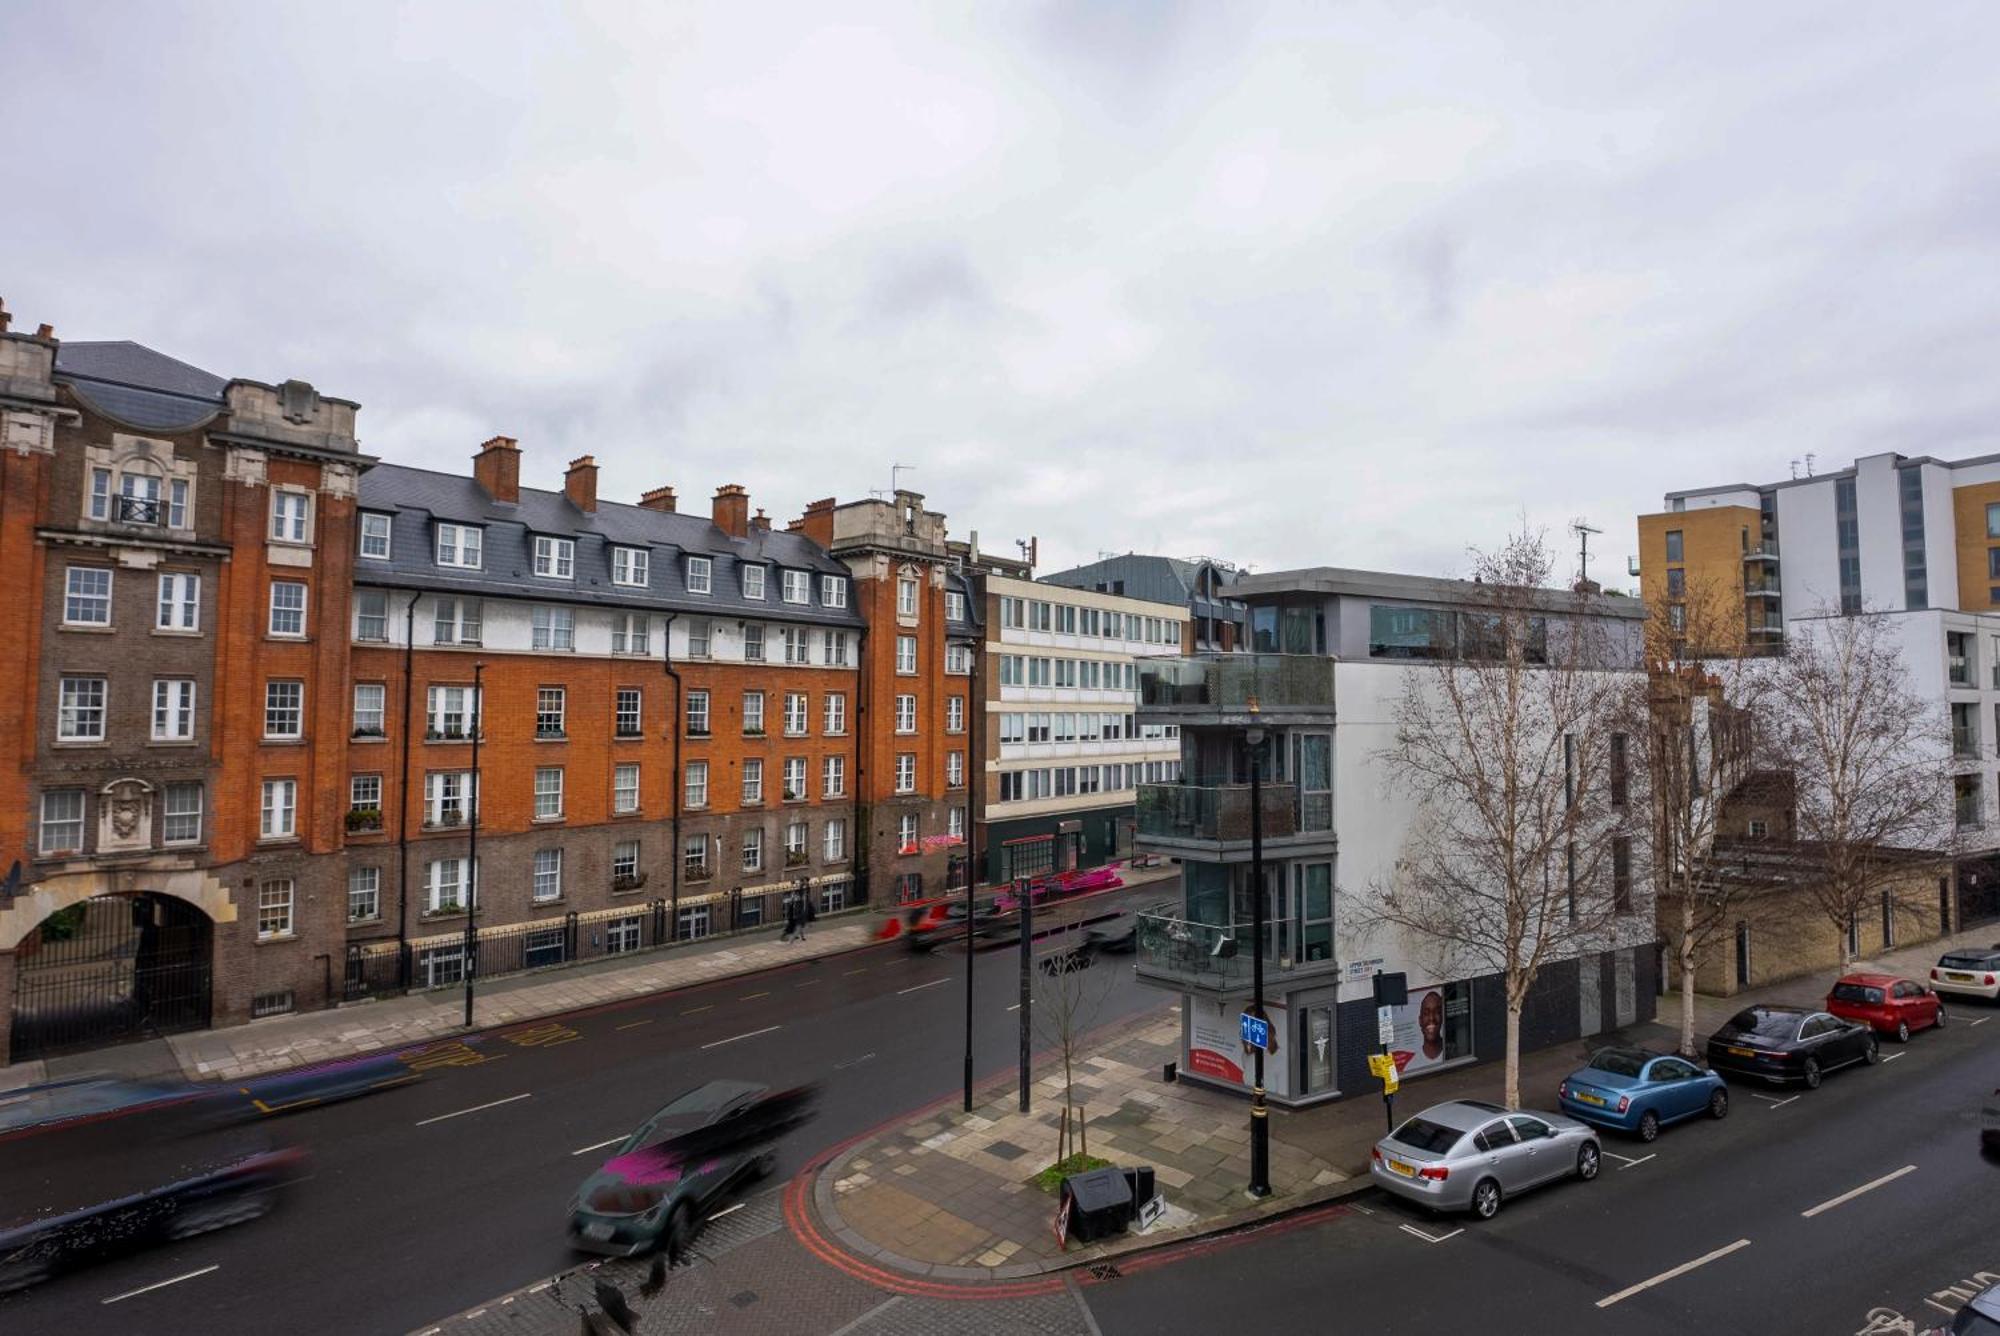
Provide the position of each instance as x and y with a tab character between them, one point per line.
418	498
142	388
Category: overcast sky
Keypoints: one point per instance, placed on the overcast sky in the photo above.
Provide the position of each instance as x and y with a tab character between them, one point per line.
1355	285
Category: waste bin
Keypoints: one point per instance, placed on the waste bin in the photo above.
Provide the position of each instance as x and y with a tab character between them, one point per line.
1100	1204
1140	1181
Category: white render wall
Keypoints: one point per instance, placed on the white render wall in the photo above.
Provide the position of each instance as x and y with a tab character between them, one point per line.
1941	538
1808	548
1881	522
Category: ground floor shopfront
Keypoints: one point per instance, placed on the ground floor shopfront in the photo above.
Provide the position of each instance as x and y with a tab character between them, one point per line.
1325	1028
1031	846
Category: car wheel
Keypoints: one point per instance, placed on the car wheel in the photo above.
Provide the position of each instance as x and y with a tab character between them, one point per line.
1718	1104
1649	1126
1873	1053
1812	1073
218	1213
1902	1032
1939	1020
679	1234
1486	1199
1587	1162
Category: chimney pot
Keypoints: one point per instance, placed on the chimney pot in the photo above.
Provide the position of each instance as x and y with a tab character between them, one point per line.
6	316
45	331
497	467
580	483
817	522
731	510
660	498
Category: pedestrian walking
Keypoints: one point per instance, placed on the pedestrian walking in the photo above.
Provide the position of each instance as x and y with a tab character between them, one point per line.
808	911
792	926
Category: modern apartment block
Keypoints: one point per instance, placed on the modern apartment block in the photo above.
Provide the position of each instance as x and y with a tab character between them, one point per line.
1333	827
178	550
668	742
1915	539
1063	749
1217	619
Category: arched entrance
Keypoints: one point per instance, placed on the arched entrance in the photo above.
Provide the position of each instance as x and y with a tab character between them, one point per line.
109	969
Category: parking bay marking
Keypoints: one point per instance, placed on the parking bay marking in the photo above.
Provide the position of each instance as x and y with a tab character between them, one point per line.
733	1038
1626	1162
917	987
1773	1100
1665	1276
599	1146
1852	1193
1982	1020
1890	1057
160	1284
494	1104
1430	1238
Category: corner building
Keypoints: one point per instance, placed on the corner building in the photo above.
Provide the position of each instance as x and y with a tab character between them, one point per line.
178	552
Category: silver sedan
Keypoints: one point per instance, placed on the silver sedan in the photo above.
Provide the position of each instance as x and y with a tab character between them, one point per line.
1468	1155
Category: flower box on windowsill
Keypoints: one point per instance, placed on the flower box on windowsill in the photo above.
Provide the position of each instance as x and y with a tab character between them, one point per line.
363	819
443	911
629	733
698	874
794	796
450	735
628	881
796	857
369	735
754	733
698	733
445	821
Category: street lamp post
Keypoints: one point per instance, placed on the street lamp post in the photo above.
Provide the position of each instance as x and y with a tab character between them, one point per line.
470	954
1260	1121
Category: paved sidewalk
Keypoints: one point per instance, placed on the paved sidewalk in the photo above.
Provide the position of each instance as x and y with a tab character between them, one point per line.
305	1038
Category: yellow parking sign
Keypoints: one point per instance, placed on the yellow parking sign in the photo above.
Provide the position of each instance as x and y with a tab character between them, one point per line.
1381	1065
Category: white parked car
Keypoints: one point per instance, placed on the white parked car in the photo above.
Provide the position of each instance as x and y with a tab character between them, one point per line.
1970	971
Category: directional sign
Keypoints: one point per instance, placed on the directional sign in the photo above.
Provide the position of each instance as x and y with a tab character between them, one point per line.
1385	1025
1256	1032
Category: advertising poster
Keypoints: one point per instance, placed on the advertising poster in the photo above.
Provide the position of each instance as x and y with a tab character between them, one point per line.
1216	1049
1434	1028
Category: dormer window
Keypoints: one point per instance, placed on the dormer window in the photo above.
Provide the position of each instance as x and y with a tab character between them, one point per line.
555	558
796	586
698	569
753	582
832	591
460	545
631	566
374	536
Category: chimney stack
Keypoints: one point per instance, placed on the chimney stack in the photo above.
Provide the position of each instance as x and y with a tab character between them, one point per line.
580	484
817	522
6	316
760	521
731	510
497	467
660	498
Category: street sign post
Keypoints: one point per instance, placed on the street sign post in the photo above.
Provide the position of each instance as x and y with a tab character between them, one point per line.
1256	1031
1391	991
1385	1026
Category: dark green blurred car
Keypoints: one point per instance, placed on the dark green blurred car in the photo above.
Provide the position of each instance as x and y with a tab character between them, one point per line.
647	1195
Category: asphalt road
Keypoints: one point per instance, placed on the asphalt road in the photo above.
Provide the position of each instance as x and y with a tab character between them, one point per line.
1763	1195
430	1198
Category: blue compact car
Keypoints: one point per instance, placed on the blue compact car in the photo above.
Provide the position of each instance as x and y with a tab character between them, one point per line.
1631	1090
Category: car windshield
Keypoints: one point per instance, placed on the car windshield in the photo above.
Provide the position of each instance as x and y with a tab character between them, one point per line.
1776	1024
1855	992
1618	1061
1423	1134
1967	960
623	1198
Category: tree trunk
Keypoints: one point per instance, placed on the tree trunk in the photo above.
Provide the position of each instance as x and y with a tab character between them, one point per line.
1687	1000
1513	1095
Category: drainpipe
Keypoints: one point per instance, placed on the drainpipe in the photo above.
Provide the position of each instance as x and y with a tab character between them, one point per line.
403	801
674	779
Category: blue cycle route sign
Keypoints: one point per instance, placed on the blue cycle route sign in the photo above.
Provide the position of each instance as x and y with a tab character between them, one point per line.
1256	1032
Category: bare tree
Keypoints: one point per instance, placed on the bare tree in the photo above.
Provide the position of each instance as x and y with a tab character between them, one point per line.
1068	996
1868	758
1505	745
1690	726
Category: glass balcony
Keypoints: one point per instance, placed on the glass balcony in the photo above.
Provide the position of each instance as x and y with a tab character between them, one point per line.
1229	684
1767	550
1186	953
1217	813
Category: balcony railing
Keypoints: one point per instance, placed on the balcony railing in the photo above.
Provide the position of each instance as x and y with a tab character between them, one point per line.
1233	682
1767	550
1221	812
1189	953
141	510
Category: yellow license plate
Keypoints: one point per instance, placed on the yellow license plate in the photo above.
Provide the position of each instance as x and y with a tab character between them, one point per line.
1958	978
1741	1053
1589	1098
1406	1170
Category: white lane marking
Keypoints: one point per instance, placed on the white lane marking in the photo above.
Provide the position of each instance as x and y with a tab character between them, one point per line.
1427	1238
1015	1007
807	984
1948	1312
1633	1164
1365	1210
1768	1099
475	1108
733	1038
1982	1020
1665	1276
752	997
1890	1057
917	988
160	1284
727	1210
862	970
477	1312
585	1150
532	1289
1856	1192
703	1007
1622	1158
852	1062
633	1025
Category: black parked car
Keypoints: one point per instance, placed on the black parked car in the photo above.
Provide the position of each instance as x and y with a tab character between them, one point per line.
1789	1044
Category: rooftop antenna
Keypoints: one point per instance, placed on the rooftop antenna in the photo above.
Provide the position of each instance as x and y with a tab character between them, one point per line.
1795	470
1809	463
1583	530
895	483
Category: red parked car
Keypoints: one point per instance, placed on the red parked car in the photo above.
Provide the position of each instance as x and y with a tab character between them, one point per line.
1886	1003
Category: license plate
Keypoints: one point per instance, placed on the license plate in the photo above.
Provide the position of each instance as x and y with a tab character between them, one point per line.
1588	1098
1406	1170
1741	1053
1958	978
598	1231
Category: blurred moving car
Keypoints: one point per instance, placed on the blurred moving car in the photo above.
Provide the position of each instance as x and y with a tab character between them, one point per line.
1631	1090
647	1195
329	1083
96	1167
1968	972
1989	1123
1979	1317
1783	1044
1468	1155
1886	1004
